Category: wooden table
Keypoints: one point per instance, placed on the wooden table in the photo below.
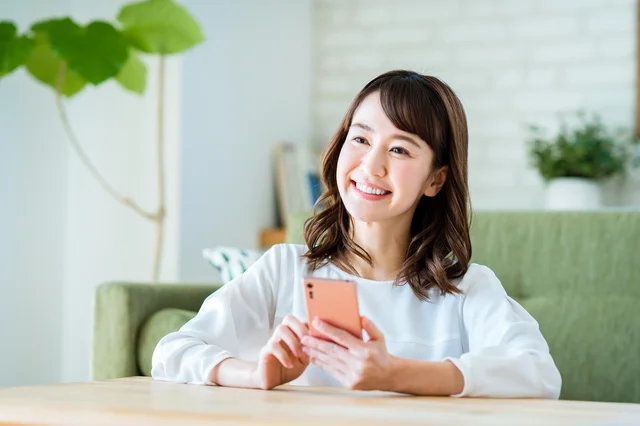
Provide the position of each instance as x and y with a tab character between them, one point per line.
138	401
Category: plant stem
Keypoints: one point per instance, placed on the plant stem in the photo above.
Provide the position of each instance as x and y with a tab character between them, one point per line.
83	156
160	215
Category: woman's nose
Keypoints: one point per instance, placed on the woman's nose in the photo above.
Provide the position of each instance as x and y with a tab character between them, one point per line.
374	163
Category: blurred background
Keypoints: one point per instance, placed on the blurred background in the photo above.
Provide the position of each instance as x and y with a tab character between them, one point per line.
268	72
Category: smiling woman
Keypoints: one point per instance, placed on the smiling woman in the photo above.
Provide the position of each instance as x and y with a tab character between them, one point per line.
406	137
394	220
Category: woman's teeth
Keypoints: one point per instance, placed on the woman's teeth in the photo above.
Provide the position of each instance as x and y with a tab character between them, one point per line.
364	188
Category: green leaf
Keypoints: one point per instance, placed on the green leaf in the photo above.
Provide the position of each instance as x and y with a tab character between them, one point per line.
96	52
44	27
133	75
45	66
14	50
8	30
588	150
160	26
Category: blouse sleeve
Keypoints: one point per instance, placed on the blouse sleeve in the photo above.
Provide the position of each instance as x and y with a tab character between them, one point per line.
507	355
238	316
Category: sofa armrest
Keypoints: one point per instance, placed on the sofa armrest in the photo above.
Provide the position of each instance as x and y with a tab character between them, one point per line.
121	308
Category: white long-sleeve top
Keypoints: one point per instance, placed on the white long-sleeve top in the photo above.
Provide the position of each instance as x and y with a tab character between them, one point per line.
492	340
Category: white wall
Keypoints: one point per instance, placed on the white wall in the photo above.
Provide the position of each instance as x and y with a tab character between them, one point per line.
61	234
245	90
511	63
33	162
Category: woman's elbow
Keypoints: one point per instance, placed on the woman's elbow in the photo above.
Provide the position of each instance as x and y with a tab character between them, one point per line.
157	366
552	383
160	359
549	378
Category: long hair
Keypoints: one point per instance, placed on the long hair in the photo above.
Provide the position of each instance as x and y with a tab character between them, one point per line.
440	247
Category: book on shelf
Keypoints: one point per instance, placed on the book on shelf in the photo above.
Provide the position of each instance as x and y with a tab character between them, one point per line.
297	179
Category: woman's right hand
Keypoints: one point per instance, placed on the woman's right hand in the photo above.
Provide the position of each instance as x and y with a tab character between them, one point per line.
282	360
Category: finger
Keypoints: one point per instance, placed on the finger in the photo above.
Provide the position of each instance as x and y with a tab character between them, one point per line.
338	335
289	338
299	328
373	331
303	358
276	349
325	357
327	363
330	349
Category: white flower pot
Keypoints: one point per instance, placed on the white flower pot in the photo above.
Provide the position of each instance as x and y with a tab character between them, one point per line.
573	194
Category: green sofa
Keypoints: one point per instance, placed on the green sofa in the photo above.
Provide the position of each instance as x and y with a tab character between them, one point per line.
577	273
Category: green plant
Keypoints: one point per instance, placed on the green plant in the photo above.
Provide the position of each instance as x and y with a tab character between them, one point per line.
67	57
587	150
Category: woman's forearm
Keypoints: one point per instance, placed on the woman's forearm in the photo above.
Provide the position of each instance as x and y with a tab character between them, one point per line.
408	376
425	377
233	372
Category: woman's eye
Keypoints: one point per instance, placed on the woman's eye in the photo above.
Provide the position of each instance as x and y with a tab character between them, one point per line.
358	139
398	150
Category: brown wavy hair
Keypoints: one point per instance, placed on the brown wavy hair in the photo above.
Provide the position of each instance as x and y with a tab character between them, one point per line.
440	246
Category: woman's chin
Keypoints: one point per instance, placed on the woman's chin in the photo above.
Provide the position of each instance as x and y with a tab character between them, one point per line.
365	215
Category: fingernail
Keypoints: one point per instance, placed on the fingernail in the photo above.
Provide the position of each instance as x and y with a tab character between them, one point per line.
317	322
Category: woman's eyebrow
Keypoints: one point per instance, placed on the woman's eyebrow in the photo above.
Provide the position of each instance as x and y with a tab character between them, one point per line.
363	126
396	136
407	138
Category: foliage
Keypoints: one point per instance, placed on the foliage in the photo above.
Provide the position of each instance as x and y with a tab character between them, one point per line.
587	150
67	56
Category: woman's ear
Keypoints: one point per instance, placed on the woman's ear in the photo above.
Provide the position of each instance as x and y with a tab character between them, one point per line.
436	181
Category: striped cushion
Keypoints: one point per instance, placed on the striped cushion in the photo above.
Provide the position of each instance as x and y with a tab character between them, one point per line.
231	262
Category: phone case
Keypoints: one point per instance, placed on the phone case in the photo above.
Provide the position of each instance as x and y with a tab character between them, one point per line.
333	301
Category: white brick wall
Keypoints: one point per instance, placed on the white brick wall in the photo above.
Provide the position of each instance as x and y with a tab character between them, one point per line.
512	62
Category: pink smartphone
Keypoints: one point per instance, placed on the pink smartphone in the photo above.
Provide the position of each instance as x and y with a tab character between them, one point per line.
333	301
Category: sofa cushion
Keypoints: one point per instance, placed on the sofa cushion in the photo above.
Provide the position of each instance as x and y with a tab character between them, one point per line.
593	341
157	326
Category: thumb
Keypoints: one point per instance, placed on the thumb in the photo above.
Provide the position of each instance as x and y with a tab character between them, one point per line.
371	329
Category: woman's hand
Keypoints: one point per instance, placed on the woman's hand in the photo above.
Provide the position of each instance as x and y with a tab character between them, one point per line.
354	363
282	360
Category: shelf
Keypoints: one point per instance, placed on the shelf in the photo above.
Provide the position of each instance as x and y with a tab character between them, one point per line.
271	236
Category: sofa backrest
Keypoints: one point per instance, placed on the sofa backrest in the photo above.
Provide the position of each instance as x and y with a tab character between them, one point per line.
578	274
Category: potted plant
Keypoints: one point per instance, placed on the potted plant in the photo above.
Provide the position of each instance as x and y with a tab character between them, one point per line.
67	57
574	161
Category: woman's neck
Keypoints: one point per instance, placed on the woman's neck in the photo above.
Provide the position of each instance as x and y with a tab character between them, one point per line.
387	245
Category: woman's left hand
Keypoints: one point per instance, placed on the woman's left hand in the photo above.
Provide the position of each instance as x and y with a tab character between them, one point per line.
354	363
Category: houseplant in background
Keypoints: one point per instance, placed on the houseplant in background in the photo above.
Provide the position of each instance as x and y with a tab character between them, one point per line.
578	158
66	56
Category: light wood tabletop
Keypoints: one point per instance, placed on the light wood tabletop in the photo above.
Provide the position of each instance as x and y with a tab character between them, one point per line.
138	401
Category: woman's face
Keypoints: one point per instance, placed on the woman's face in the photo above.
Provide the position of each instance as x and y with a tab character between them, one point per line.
383	172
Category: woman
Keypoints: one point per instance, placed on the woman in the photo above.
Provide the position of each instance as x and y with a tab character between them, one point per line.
394	219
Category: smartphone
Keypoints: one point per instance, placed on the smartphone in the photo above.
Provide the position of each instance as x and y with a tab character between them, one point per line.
333	301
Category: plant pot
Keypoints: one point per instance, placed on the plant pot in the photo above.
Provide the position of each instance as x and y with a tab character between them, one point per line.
573	194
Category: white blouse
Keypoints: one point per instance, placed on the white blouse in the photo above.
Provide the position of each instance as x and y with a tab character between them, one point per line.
492	340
